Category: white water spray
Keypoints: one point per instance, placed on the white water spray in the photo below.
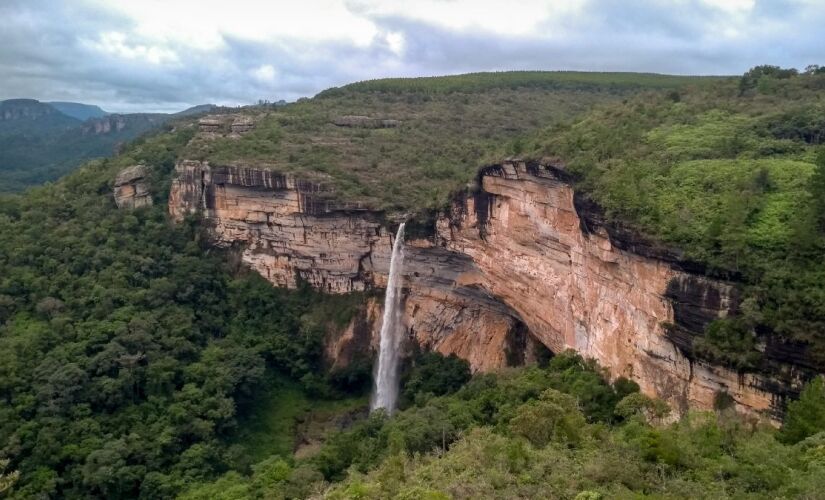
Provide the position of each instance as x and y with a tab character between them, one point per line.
386	377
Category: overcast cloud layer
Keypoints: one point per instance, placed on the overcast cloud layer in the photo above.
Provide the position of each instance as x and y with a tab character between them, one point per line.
165	55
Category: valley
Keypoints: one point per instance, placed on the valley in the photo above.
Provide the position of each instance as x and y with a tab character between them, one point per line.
600	294
41	141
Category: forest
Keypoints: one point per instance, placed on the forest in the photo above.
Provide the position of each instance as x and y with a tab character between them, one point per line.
128	349
137	361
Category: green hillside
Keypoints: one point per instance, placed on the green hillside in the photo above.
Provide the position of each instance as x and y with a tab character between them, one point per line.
27	116
548	80
446	128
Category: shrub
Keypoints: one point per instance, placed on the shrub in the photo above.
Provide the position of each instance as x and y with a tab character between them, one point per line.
554	417
434	374
805	416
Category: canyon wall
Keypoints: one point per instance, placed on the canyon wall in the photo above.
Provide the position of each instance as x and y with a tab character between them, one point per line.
520	265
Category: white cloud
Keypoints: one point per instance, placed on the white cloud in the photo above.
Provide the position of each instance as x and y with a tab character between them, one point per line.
204	24
166	54
510	18
395	40
265	74
117	44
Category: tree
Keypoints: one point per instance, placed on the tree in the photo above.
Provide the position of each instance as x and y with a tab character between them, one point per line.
7	479
806	416
554	417
637	404
816	186
753	76
435	374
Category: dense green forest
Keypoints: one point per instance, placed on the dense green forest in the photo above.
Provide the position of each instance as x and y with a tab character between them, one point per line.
128	351
138	362
559	431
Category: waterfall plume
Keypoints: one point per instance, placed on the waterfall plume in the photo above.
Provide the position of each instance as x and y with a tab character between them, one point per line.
386	376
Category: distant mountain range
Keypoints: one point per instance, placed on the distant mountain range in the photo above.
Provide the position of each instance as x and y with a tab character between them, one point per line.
41	141
77	110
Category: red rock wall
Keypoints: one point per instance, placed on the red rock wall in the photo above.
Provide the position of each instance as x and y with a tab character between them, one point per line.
574	289
508	267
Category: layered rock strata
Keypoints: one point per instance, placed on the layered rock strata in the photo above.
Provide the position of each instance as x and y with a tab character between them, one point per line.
521	264
365	122
131	189
230	125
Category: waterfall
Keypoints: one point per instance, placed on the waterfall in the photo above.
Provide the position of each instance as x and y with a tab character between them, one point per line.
386	377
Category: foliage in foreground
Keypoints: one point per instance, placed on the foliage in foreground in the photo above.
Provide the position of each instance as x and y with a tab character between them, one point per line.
549	450
558	432
7	479
435	422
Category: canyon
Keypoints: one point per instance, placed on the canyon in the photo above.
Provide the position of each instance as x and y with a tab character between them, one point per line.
519	266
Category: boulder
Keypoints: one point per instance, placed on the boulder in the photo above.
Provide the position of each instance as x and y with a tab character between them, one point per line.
132	187
242	124
209	125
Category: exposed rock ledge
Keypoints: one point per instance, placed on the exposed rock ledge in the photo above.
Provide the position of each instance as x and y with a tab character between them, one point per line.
508	270
131	187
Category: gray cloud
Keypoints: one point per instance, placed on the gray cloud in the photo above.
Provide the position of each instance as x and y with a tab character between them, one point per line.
49	52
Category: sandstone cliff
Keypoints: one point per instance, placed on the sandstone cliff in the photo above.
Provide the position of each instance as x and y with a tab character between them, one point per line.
131	188
521	265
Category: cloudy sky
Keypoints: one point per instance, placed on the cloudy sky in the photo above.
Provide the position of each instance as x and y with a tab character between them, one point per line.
165	55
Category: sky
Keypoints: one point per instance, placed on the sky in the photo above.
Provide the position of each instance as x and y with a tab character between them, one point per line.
166	55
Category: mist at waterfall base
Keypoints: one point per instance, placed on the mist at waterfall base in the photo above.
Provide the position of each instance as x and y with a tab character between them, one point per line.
385	395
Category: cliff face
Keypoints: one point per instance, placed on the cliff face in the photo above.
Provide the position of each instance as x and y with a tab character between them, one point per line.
576	284
132	188
25	109
114	124
520	265
284	229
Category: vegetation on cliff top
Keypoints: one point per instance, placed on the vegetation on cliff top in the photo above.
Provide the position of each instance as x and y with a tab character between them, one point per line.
547	80
732	174
449	126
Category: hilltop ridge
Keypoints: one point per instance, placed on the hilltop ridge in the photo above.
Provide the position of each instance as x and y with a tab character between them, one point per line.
406	144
